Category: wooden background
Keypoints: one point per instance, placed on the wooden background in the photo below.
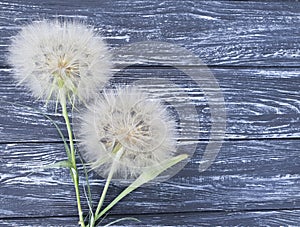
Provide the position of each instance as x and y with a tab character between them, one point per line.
252	48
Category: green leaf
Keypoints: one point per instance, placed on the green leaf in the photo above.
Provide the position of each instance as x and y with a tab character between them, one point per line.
122	219
50	119
87	193
148	175
61	135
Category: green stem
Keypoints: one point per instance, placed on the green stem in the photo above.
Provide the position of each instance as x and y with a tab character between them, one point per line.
74	171
148	175
118	151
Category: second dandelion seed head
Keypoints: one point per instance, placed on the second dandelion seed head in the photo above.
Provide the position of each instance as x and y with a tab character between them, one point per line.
126	119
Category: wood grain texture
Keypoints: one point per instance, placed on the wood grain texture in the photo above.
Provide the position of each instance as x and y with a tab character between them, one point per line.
253	50
218	32
260	103
259	218
247	175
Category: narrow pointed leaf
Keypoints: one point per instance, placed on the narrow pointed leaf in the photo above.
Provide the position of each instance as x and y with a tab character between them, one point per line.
146	176
50	119
87	193
122	219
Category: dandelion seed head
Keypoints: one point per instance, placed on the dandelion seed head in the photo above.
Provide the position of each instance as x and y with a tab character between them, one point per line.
54	58
129	118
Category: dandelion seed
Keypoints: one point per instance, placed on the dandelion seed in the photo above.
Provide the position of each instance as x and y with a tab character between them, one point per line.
126	119
60	59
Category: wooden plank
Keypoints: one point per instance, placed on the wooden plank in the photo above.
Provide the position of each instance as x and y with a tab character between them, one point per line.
247	175
218	32
258	218
259	103
252	181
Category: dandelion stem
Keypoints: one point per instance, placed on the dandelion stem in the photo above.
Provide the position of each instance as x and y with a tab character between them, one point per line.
148	175
73	169
118	151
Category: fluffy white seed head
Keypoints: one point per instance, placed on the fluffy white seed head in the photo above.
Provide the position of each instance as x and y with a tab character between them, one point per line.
55	58
127	118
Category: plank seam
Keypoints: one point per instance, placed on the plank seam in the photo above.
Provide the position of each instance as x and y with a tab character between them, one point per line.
186	140
153	66
162	213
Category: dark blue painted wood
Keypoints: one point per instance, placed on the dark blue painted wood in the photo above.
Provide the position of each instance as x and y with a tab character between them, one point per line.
219	32
260	103
246	176
253	48
258	218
